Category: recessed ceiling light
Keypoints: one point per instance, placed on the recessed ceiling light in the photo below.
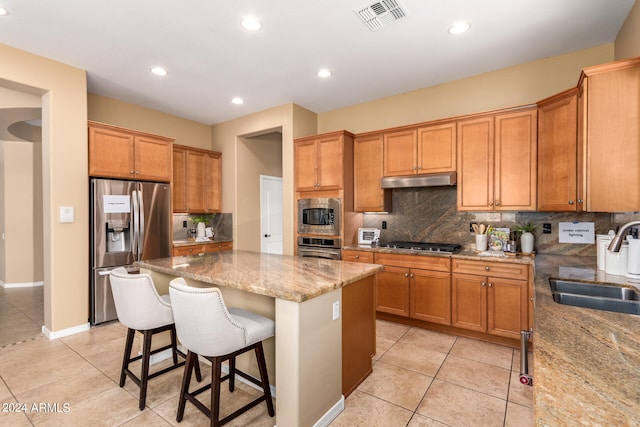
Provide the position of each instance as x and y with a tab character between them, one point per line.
324	73
459	28
237	100
159	71
251	24
3	11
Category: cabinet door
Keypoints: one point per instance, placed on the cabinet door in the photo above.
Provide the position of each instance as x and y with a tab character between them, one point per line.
213	182
152	159
188	250
558	154
368	195
613	141
469	302
515	156
329	163
437	148
431	296
111	153
393	291
195	181
507	307
179	183
305	165
475	164
400	153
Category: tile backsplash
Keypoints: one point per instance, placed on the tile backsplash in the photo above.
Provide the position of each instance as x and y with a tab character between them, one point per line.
429	214
222	226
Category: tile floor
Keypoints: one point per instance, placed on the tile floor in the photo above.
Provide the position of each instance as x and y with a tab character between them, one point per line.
420	378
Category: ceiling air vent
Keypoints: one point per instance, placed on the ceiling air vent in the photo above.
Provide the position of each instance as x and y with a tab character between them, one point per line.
381	13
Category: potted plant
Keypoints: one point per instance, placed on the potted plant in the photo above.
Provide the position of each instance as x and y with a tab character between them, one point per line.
526	238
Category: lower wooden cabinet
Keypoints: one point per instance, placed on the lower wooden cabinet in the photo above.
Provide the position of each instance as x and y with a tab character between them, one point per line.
495	303
202	248
430	296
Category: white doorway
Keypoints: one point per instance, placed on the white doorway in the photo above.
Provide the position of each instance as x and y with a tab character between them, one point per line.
271	214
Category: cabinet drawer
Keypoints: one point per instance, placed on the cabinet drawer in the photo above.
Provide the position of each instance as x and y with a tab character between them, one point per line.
434	263
188	250
218	247
494	269
357	256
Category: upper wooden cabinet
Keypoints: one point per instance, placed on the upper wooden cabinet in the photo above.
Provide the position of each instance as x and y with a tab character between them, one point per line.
115	152
368	195
497	166
196	180
559	181
609	128
427	149
323	162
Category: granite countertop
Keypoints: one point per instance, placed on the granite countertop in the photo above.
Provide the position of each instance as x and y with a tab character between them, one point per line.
586	364
280	276
186	242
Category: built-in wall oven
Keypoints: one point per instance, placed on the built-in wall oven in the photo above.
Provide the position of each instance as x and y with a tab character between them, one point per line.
319	216
319	247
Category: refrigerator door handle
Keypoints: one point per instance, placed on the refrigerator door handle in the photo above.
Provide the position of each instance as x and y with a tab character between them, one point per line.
141	221
136	225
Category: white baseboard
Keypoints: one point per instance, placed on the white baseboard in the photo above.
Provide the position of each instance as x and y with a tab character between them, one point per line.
21	285
52	335
331	414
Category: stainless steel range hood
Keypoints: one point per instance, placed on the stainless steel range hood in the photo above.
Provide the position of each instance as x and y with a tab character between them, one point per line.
430	180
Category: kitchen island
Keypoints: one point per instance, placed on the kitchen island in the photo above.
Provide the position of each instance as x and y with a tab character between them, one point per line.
313	343
586	362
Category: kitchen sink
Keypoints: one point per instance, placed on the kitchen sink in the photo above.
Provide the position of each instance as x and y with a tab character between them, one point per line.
599	297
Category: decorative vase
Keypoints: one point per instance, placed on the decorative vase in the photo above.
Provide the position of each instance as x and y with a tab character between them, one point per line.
526	242
201	229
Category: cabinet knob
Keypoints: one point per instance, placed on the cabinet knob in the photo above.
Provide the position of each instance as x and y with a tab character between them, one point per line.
137	172
498	203
414	168
406	274
490	202
357	257
380	205
483	284
490	284
487	268
570	202
411	275
132	172
579	200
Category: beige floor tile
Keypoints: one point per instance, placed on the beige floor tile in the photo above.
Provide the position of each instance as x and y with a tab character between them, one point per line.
382	345
414	358
481	351
390	330
13	413
364	410
518	416
4	391
421	421
396	385
147	418
478	376
429	340
457	406
520	393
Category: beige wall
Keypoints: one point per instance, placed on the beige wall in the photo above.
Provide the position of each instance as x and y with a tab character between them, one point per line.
130	116
508	87
64	175
294	121
627	43
259	155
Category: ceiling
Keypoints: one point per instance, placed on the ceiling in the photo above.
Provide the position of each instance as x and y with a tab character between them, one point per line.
211	59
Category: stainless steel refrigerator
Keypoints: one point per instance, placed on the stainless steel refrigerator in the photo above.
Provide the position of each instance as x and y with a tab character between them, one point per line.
130	221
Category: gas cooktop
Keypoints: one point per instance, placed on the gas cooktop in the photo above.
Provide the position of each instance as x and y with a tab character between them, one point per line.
447	248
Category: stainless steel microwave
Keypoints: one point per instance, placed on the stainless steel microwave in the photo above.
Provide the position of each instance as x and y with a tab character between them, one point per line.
319	216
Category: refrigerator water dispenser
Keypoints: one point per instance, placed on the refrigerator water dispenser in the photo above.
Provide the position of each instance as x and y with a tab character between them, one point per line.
118	236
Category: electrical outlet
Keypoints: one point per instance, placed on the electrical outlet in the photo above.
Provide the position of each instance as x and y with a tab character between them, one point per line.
471	230
384	225
184	224
546	228
336	310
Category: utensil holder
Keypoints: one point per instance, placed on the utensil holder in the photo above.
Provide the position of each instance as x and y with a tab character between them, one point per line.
481	242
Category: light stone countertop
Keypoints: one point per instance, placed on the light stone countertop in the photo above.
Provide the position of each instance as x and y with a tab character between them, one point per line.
280	276
586	363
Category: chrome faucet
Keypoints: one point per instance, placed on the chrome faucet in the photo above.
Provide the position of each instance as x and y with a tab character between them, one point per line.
616	242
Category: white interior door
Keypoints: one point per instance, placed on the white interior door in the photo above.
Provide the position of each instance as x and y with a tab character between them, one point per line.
271	214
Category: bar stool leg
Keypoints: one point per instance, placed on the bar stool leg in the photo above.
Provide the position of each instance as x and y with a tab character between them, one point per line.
144	376
174	345
232	374
127	355
264	377
186	380
215	390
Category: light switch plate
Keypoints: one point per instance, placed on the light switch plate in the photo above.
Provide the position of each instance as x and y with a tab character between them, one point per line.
336	310
67	214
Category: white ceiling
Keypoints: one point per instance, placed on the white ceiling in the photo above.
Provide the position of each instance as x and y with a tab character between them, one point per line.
211	59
